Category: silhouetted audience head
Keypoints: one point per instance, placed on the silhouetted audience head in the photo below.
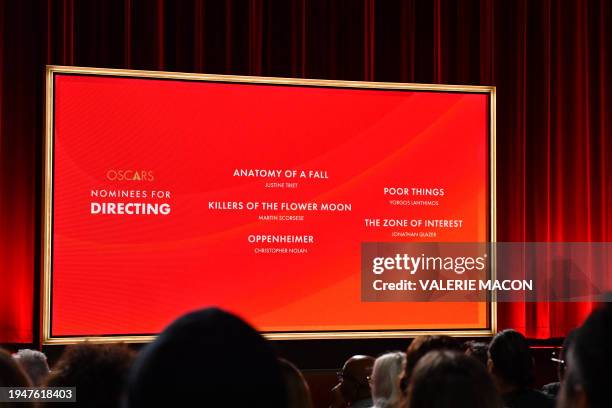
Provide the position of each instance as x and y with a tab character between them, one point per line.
445	379
298	393
478	350
420	346
510	360
98	371
34	364
511	366
353	388
589	363
385	379
12	375
207	358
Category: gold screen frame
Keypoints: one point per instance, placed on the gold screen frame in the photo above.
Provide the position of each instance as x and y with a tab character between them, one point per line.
47	213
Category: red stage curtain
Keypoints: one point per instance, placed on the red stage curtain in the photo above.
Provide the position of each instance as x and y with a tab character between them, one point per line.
548	59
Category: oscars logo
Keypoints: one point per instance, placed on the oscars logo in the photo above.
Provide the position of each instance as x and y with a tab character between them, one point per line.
130	175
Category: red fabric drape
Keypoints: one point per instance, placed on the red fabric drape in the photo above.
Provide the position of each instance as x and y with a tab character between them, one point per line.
548	59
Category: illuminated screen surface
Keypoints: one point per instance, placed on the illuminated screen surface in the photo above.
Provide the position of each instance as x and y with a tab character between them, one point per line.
171	194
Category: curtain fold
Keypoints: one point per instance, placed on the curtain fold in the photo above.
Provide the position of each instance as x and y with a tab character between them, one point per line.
548	59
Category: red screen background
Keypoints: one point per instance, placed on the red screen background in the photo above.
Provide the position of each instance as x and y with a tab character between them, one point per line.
133	274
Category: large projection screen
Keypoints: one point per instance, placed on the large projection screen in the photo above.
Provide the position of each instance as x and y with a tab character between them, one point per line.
166	192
